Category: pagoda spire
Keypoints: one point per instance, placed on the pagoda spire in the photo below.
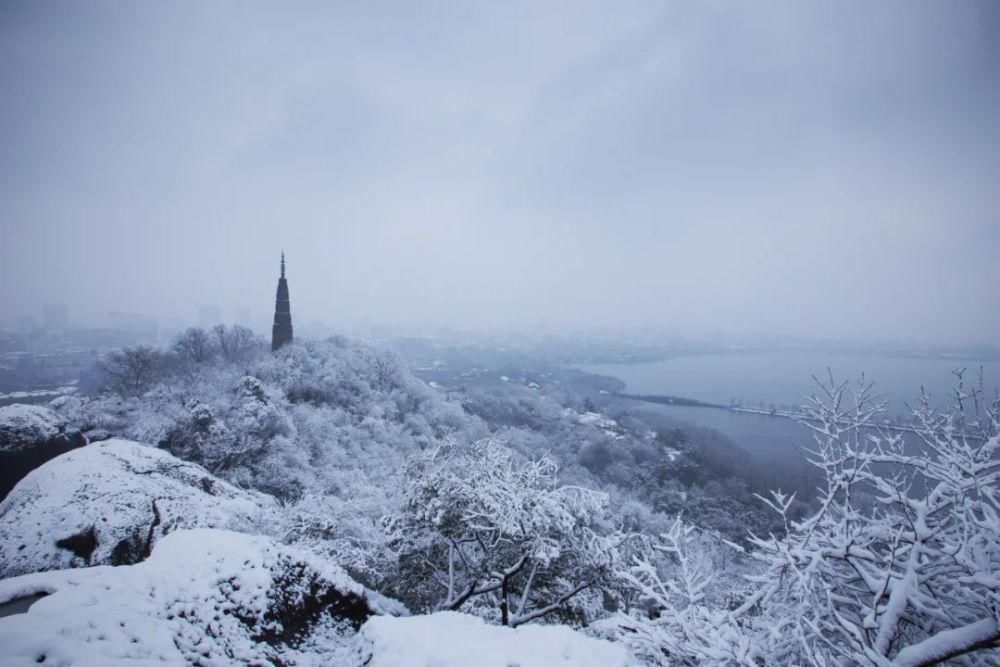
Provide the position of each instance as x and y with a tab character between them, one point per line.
281	332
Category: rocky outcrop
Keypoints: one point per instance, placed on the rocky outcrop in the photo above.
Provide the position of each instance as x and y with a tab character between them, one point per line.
215	597
23	426
30	435
109	502
209	597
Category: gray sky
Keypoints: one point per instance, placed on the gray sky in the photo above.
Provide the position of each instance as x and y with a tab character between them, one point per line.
824	170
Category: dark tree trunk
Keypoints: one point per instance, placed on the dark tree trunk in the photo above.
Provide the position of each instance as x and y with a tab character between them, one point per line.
504	603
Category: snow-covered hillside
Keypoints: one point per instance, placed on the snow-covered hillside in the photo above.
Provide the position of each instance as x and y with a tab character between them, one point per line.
219	598
552	523
284	424
108	502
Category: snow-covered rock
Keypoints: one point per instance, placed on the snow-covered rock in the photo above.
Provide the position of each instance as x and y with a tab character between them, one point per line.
30	435
451	639
23	426
213	597
108	503
206	597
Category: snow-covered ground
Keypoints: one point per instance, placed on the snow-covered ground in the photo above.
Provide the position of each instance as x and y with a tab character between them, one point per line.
451	639
219	598
207	597
108	502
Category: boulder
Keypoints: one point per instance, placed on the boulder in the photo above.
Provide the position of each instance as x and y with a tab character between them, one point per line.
208	597
109	502
30	435
23	426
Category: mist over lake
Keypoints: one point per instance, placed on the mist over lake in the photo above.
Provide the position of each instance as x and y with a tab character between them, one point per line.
782	378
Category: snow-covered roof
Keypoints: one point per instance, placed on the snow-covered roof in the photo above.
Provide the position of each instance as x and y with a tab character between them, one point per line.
95	505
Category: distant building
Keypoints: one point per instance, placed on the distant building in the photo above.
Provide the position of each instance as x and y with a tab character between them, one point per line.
281	332
209	316
55	316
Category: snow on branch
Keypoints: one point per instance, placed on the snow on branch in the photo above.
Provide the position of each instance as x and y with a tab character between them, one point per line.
898	564
488	524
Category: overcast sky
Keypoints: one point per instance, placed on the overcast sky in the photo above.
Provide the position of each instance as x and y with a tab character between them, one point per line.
823	170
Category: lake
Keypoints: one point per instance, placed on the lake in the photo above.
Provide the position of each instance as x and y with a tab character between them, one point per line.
782	378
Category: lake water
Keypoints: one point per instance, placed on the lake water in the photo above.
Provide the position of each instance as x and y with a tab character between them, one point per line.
782	378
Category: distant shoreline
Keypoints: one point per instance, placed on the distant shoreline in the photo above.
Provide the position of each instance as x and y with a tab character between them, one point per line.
985	355
671	400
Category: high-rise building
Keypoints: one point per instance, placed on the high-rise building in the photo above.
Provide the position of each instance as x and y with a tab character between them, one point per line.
281	332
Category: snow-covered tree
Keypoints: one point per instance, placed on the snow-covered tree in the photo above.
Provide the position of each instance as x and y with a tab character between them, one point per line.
486	528
321	417
901	563
347	530
679	621
132	370
898	565
236	344
195	345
